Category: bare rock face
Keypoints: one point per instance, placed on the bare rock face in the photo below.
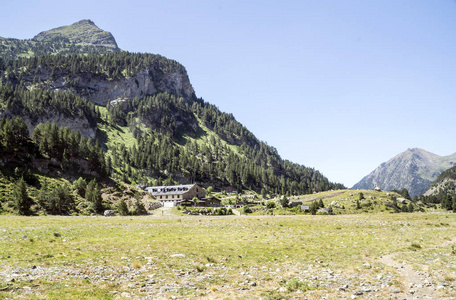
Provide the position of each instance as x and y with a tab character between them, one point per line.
142	83
101	90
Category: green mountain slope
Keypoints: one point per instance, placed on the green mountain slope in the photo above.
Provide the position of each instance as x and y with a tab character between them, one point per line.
147	124
443	186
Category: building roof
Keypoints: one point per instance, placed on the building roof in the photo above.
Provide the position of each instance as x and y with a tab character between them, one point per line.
169	190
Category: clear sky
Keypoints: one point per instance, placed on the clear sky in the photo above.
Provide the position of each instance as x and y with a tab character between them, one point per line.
340	86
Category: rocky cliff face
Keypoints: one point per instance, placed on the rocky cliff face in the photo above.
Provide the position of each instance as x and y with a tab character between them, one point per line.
82	32
101	90
414	169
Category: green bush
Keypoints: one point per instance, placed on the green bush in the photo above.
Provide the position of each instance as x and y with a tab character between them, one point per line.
270	205
246	210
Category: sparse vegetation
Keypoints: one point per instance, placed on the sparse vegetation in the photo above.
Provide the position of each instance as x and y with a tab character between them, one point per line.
241	257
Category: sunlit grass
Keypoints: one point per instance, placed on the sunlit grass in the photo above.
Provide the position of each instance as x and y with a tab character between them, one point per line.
273	249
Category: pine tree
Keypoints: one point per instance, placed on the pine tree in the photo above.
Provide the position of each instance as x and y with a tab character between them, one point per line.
80	186
60	200
449	202
93	195
21	198
122	208
139	208
313	208
454	203
410	207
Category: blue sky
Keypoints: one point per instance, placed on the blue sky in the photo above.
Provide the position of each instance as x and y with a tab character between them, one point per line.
340	86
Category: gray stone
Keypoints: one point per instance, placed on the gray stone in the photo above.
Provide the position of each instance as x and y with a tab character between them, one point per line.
178	255
109	213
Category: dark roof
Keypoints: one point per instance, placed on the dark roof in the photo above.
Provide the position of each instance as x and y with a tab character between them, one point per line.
169	190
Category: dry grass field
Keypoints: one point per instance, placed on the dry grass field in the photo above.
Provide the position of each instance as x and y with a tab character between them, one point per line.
364	256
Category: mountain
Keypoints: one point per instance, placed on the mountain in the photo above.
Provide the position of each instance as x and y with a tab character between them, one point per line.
444	184
82	37
84	32
414	169
130	117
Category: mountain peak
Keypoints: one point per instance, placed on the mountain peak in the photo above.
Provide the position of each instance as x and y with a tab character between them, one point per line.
83	32
85	21
413	169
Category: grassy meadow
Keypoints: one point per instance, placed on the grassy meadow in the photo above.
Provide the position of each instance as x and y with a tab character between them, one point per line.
247	257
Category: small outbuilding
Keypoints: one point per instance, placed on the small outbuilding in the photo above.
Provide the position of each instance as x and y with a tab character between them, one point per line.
305	208
295	203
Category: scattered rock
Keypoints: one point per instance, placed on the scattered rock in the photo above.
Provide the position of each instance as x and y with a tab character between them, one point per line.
179	255
358	293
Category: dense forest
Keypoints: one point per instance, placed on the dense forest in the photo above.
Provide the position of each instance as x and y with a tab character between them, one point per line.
40	103
111	65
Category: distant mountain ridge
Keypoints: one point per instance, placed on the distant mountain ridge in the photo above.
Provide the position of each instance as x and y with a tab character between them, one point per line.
414	169
82	32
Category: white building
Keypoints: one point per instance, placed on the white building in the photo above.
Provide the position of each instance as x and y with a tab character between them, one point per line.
172	195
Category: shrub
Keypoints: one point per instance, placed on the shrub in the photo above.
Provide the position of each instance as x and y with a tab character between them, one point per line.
247	210
139	208
415	246
270	205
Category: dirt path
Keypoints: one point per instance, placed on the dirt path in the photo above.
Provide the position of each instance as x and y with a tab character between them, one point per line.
236	212
414	285
164	212
332	195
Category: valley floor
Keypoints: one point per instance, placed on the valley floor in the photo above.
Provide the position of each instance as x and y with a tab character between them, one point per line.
163	256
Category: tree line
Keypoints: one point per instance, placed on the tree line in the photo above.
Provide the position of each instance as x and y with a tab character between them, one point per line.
14	48
110	66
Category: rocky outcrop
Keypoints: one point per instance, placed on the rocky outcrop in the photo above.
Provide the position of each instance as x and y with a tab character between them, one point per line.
101	90
83	32
80	124
414	169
